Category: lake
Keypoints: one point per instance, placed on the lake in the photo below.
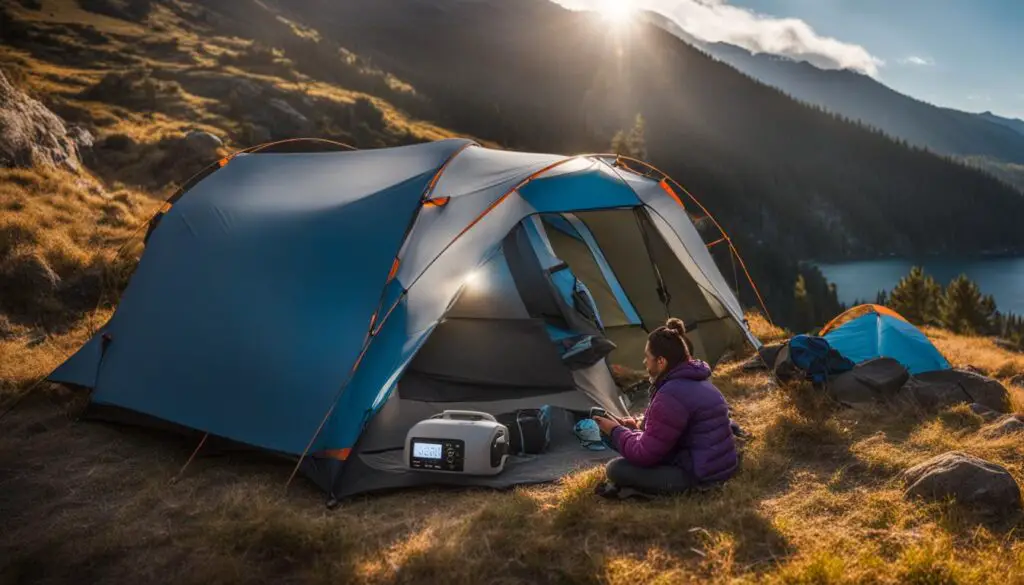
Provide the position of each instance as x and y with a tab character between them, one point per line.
1002	278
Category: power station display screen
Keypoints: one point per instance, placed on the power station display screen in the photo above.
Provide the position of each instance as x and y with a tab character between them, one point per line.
427	450
437	454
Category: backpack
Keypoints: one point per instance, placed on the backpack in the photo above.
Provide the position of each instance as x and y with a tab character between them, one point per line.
814	357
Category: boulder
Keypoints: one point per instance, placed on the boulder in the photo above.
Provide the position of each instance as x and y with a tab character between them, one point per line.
1017	381
30	275
260	135
1004	426
945	388
243	89
1006	344
30	134
286	120
984	412
978	485
203	144
83	139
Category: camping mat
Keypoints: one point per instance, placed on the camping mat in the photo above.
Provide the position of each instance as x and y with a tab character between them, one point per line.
386	470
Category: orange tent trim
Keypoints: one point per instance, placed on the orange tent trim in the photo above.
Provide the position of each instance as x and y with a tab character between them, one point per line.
668	189
339	454
860	311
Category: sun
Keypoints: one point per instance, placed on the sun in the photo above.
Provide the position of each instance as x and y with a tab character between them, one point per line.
616	11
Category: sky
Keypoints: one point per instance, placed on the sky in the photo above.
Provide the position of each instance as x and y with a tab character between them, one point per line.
964	54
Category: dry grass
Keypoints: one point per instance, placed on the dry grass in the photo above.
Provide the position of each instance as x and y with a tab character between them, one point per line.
818	501
59	234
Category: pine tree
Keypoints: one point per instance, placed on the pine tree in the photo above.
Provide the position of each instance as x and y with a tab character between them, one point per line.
632	143
990	315
637	139
916	297
619	145
882	298
804	307
963	309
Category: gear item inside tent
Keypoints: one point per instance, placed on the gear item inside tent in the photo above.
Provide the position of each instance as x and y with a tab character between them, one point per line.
326	306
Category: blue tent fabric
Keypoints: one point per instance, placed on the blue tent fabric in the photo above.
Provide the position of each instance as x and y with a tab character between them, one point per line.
873	335
233	310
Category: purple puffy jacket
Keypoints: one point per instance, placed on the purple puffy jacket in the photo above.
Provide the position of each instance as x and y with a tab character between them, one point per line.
687	425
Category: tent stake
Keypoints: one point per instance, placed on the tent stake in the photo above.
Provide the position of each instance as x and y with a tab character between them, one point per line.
193	456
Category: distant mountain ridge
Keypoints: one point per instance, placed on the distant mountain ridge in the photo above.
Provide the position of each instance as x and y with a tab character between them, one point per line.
1012	123
859	97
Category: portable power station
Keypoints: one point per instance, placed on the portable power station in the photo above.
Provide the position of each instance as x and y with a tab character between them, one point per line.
458	441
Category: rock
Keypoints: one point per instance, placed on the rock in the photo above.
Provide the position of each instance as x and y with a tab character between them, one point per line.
944	388
30	134
259	135
286	119
30	275
1018	380
84	139
203	143
1006	344
974	483
934	395
243	89
984	412
1004	426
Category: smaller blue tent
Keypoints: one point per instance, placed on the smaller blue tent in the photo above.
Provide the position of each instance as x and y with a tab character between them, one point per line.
871	331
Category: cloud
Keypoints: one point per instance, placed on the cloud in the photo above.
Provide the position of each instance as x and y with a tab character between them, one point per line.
918	61
718	21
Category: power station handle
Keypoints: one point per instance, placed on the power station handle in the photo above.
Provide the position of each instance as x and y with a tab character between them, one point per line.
465	414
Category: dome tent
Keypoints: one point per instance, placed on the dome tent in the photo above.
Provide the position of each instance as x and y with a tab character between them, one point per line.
317	305
868	332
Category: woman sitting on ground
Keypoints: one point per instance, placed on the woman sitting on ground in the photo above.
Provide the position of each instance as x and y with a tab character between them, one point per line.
686	438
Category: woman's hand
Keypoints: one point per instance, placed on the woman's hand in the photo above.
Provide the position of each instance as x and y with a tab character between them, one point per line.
629	422
606	425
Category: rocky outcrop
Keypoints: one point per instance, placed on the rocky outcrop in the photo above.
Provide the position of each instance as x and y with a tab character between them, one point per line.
30	134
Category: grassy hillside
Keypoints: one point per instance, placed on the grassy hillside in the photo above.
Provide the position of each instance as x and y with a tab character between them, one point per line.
817	501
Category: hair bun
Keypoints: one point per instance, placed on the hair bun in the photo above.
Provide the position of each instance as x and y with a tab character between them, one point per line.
676	325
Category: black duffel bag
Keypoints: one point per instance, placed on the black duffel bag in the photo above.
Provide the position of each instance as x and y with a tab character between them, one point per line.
529	430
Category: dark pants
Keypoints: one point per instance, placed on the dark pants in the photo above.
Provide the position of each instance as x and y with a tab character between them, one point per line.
663	479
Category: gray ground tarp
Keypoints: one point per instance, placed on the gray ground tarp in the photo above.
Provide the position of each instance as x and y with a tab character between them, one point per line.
384	470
